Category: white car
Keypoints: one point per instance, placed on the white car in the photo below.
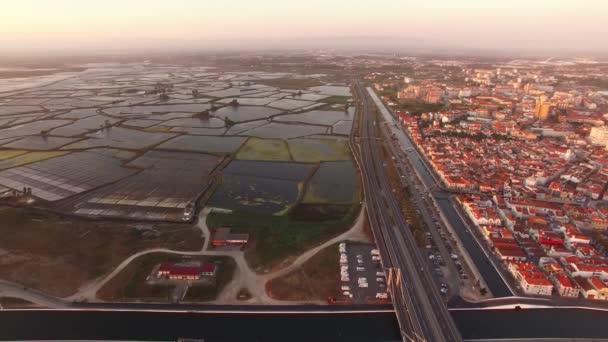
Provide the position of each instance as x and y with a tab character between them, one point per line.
361	269
363	285
345	288
380	280
379	274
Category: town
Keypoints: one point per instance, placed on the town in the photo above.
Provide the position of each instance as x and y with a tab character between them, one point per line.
523	148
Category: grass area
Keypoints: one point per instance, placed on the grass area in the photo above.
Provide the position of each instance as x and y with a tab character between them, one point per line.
130	284
317	279
416	107
225	272
11	302
57	254
291	83
316	150
336	99
264	149
275	238
28	158
7	154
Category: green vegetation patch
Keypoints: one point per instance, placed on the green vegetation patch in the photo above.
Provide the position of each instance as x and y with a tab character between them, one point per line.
264	149
317	279
274	238
315	150
28	158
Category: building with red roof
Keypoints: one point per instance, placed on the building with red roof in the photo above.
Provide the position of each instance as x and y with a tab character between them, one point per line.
531	280
564	286
185	272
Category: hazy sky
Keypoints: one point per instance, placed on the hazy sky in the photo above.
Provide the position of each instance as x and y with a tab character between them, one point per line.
27	25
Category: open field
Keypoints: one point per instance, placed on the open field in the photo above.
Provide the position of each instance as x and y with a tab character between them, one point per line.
315	150
130	284
12	303
317	279
264	149
39	249
278	237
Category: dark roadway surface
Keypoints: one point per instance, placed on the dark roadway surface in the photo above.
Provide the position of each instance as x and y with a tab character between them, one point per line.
419	306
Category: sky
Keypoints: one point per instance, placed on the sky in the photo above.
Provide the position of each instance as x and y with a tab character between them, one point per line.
131	25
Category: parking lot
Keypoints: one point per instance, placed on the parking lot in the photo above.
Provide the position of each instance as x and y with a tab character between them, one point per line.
362	275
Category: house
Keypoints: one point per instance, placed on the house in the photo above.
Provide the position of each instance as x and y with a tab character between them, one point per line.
223	237
182	272
564	286
531	280
592	288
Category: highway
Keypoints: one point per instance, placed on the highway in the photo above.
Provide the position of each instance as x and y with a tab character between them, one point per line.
484	263
421	312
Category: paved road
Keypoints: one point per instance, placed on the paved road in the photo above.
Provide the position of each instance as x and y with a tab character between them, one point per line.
421	312
9	289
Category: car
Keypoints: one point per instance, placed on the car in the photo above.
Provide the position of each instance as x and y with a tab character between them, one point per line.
444	285
381	295
444	291
360	269
376	258
364	285
345	288
380	279
379	274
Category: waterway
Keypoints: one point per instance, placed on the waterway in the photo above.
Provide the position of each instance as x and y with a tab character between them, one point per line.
377	326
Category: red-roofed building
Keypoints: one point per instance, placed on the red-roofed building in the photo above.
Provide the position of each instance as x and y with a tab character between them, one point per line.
181	272
592	288
531	280
564	286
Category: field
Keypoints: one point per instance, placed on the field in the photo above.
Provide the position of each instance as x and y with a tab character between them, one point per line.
317	279
10	302
39	249
315	150
278	237
264	149
130	284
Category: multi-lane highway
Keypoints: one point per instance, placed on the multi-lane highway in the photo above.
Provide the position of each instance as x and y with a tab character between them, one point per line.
420	310
496	283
